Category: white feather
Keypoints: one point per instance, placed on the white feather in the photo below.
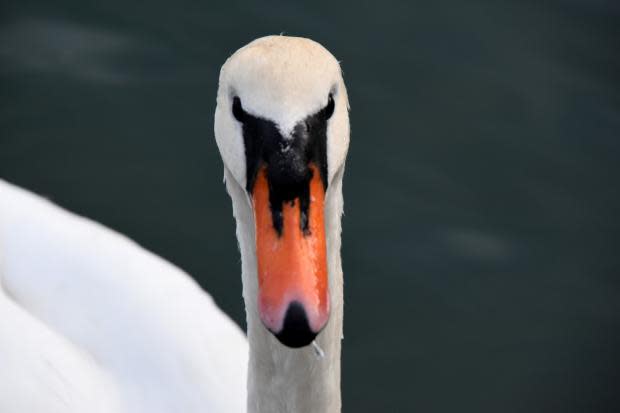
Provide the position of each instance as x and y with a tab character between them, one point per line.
89	318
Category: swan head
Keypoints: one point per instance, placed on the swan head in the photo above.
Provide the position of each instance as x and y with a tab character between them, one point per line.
282	129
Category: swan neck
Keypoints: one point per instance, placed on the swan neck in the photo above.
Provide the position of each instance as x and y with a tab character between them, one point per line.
281	379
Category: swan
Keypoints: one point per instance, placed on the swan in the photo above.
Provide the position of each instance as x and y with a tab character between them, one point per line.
92	322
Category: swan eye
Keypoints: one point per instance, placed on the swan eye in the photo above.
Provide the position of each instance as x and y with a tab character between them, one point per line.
328	110
237	110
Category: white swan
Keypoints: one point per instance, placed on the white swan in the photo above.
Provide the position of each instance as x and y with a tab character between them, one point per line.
91	322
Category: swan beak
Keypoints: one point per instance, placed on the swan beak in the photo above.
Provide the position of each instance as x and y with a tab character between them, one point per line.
293	297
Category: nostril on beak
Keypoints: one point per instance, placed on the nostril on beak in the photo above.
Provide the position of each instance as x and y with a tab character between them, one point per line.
296	330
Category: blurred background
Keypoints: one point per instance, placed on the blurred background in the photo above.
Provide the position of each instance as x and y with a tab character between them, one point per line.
482	203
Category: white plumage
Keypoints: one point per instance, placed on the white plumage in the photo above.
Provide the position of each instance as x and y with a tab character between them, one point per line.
90	321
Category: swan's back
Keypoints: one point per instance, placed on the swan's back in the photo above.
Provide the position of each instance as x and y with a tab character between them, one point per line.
90	320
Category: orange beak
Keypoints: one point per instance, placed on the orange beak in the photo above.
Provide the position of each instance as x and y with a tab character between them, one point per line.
292	264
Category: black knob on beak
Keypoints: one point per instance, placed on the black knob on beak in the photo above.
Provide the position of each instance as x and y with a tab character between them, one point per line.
296	331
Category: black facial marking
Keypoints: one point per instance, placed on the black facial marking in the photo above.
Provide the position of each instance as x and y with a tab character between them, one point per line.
238	110
287	160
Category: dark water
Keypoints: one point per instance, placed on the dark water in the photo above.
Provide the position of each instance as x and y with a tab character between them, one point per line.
481	232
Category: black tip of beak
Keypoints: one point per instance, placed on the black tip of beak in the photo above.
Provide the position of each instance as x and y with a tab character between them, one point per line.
296	330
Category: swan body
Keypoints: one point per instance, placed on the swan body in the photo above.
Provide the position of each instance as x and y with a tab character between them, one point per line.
90	321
